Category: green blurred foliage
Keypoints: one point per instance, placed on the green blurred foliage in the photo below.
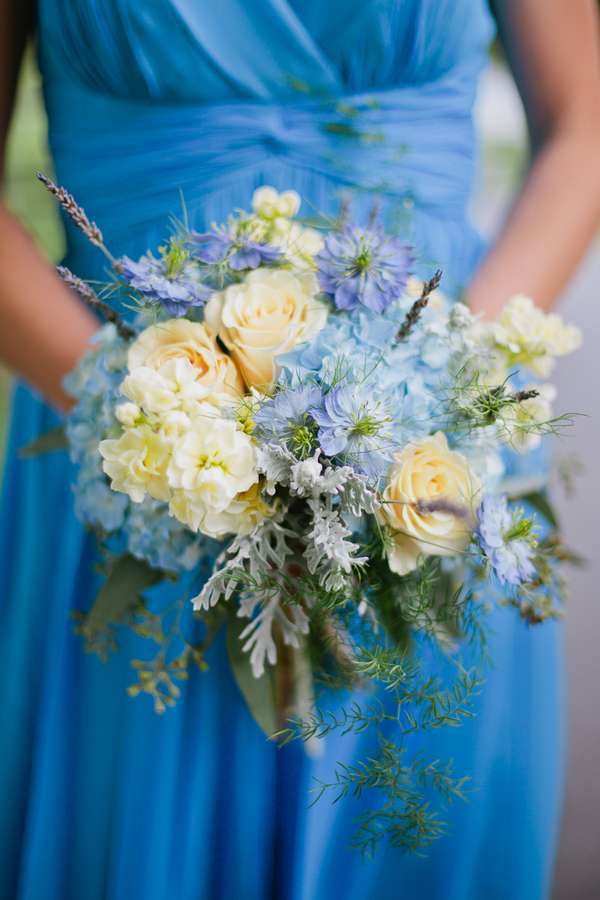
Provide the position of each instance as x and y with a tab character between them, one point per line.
27	152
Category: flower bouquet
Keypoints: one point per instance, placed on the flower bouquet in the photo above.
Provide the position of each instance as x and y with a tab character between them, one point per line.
308	443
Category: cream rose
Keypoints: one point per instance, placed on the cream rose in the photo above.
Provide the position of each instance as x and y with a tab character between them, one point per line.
177	339
428	503
266	315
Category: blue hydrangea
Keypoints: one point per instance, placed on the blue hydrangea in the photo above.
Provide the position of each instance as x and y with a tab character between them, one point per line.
354	426
240	251
363	267
162	541
499	536
169	280
98	505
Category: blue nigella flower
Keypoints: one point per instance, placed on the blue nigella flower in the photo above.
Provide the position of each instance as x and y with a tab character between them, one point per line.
240	251
363	267
354	426
285	418
169	280
504	541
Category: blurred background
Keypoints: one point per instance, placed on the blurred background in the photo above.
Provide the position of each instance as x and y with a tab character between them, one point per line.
501	124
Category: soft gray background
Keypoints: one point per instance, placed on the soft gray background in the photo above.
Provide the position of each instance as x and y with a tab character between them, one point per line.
578	380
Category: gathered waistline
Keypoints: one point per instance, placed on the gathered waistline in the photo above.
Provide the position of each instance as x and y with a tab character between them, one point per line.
413	142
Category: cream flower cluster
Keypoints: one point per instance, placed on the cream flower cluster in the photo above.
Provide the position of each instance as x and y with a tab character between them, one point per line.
274	213
528	336
526	422
180	442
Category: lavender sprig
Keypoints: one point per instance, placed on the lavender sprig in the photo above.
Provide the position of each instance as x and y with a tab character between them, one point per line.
441	505
91	298
416	310
76	212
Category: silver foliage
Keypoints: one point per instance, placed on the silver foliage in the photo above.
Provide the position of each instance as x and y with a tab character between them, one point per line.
258	634
247	559
328	552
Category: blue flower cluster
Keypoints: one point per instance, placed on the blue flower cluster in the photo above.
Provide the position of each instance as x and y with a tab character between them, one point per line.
363	267
240	251
146	529
509	553
167	280
376	393
354	425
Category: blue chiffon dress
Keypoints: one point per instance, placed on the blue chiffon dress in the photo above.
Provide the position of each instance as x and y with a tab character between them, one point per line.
101	798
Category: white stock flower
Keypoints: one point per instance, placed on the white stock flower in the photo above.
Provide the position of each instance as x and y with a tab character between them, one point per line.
245	512
269	203
136	463
264	316
527	421
531	337
299	244
212	462
127	414
428	503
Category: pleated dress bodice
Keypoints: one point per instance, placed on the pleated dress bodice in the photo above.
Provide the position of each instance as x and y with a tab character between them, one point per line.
168	102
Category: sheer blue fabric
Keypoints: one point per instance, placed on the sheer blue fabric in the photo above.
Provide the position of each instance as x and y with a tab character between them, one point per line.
150	102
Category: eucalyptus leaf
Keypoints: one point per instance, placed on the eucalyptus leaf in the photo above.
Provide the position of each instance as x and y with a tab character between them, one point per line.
55	439
540	502
127	578
259	693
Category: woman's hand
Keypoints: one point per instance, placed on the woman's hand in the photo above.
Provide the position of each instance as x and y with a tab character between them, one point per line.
553	47
44	329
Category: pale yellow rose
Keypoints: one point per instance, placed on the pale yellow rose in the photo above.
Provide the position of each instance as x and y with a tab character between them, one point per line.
267	314
177	339
428	503
137	462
